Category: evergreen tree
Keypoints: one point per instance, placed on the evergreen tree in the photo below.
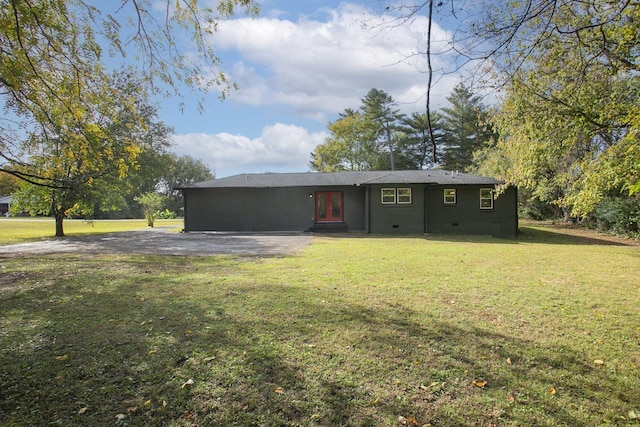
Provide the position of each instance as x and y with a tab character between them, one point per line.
383	123
417	144
465	128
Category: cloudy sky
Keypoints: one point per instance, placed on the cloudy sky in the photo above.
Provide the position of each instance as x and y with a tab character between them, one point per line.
298	65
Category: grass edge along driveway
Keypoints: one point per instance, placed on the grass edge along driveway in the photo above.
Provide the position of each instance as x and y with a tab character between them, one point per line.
365	330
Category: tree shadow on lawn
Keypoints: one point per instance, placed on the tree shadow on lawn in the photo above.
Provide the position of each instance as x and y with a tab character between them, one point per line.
526	234
111	354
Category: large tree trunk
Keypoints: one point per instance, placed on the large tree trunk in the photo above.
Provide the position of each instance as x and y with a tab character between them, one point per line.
59	228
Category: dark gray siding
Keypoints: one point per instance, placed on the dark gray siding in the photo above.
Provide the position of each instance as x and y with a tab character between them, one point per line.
264	209
466	217
397	218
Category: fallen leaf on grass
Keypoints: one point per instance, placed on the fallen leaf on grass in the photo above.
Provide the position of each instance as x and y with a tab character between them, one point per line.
552	390
120	417
279	390
632	415
63	358
479	383
412	420
82	410
189	382
147	403
598	362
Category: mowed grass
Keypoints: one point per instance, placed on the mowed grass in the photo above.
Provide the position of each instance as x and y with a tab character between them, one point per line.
354	331
20	230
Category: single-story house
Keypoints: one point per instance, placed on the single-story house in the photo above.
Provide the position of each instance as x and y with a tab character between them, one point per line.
5	204
380	202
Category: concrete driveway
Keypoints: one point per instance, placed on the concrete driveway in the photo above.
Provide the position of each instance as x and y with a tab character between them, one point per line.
165	241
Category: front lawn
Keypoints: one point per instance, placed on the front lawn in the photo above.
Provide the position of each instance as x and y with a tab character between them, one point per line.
354	331
21	229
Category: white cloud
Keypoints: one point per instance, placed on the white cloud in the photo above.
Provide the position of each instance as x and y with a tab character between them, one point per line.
311	68
280	147
318	68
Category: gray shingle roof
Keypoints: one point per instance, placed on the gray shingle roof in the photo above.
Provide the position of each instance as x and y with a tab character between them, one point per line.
330	179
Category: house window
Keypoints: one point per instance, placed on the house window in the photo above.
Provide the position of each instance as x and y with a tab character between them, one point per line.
449	196
388	196
400	196
486	198
404	195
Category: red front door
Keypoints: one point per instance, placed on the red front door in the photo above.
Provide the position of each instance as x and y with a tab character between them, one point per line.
329	206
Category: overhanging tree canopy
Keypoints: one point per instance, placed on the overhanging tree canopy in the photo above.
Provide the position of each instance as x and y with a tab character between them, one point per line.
53	52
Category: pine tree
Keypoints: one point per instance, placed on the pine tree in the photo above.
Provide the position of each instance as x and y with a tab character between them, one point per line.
466	129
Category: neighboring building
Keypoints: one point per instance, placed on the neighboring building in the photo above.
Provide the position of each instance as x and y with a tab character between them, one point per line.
5	204
380	202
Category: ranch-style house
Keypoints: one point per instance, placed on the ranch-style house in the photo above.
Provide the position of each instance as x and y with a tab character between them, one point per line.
379	202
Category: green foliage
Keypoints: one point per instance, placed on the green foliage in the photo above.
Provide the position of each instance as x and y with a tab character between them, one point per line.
416	143
350	146
620	215
80	157
166	214
180	171
570	121
378	137
73	128
466	128
151	203
382	121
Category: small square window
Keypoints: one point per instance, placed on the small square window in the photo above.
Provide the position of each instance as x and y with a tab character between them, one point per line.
388	196
486	198
449	196
404	195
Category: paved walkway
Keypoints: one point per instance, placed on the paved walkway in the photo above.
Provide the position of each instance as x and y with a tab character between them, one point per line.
159	241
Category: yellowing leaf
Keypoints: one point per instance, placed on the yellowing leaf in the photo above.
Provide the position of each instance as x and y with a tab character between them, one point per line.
147	403
189	382
412	420
63	358
279	390
598	362
479	383
552	390
82	410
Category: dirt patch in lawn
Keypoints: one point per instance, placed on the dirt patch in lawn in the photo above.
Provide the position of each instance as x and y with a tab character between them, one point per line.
165	241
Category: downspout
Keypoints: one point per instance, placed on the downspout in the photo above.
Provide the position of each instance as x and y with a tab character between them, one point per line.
426	211
184	200
367	210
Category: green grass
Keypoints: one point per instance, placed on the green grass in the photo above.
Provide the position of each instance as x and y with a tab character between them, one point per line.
356	330
20	230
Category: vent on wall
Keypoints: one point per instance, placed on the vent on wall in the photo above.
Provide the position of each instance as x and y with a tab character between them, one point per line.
455	224
395	226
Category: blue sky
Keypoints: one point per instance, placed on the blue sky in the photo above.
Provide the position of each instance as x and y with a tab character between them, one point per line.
298	64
